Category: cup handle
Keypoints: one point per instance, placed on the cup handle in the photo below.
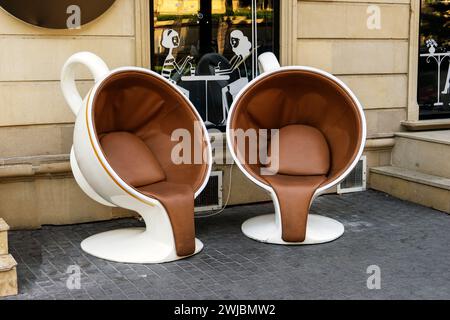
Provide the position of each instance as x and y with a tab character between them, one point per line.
96	66
268	62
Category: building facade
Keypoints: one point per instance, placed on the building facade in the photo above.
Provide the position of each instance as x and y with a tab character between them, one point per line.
372	46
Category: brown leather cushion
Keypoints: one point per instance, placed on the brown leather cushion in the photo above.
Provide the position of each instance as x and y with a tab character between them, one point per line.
303	150
131	158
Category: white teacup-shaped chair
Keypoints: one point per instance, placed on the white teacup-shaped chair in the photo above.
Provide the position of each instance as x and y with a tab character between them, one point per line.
321	137
122	156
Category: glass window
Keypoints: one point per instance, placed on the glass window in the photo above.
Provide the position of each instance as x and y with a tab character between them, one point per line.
209	48
434	60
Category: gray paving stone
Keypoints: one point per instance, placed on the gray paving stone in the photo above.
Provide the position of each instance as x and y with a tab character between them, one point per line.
408	242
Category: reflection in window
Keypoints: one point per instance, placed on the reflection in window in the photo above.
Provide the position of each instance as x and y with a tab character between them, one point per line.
434	60
209	48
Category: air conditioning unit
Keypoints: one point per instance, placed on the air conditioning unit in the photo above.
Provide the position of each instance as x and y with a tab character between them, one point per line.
211	196
356	181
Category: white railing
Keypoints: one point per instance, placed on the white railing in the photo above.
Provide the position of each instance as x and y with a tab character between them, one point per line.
439	58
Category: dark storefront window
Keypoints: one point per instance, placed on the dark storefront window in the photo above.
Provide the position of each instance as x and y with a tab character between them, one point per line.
434	60
209	48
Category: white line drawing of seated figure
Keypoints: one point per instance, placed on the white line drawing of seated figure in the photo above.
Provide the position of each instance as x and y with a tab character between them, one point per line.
241	47
447	82
171	40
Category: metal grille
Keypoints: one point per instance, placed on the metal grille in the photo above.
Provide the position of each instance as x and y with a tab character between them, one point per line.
356	180
211	196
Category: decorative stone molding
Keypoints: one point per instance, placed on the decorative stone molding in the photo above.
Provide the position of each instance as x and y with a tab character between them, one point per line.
413	107
426	124
288	32
142	21
379	144
13	168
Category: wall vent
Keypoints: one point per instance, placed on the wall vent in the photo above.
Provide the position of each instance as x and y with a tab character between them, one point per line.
211	196
356	181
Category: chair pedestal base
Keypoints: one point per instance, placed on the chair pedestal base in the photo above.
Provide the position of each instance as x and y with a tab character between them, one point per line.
319	230
132	245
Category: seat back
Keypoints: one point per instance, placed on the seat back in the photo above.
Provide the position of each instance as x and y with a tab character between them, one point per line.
301	97
151	111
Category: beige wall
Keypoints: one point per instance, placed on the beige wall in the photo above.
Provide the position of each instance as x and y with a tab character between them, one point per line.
374	63
333	35
31	59
36	123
